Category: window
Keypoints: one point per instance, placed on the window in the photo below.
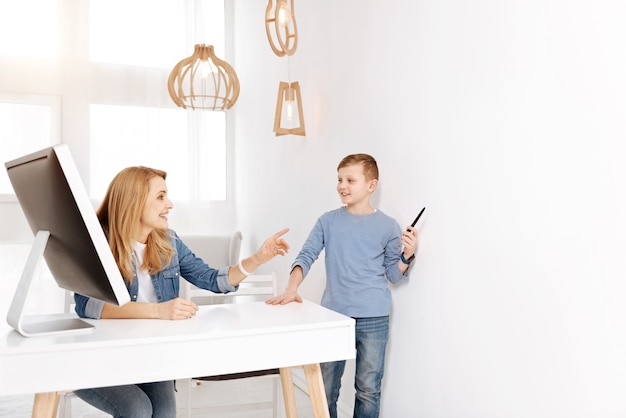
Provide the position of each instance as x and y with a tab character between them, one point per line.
123	136
139	38
27	124
154	39
28	121
21	39
171	140
110	85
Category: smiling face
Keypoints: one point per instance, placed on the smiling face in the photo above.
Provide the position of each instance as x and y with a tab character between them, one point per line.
155	210
354	188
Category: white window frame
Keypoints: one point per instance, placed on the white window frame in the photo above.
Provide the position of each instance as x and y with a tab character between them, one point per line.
71	110
55	123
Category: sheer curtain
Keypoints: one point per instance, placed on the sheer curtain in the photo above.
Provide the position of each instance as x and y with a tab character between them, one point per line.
104	64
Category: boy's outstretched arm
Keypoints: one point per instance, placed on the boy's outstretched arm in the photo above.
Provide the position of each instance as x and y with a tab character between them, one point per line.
291	292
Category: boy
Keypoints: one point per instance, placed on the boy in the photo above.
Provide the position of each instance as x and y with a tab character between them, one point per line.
364	248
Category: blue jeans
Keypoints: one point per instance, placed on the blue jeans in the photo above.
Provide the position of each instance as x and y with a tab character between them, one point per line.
145	400
371	342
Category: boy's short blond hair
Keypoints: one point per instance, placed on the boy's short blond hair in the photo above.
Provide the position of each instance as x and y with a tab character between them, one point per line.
370	168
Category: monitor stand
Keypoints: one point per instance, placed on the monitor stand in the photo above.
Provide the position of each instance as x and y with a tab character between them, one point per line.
30	326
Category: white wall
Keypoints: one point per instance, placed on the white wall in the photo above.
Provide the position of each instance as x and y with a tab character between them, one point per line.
506	120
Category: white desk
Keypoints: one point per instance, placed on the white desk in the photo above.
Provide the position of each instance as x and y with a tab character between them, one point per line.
220	339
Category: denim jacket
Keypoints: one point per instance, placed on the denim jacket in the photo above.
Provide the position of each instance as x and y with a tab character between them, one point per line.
166	282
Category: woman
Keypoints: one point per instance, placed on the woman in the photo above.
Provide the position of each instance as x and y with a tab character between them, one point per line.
151	258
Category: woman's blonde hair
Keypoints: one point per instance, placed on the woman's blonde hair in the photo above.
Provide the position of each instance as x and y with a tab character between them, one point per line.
120	215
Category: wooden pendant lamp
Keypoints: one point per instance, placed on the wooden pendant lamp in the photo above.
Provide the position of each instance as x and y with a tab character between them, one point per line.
286	120
281	27
203	81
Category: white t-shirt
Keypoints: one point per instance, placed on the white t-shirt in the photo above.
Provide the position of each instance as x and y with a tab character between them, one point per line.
145	292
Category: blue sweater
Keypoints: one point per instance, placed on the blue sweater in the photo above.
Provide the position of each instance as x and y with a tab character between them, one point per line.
362	254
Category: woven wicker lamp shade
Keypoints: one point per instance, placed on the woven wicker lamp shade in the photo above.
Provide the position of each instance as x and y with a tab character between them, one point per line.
203	81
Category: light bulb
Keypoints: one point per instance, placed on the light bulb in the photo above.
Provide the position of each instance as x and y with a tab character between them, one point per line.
283	14
290	96
205	68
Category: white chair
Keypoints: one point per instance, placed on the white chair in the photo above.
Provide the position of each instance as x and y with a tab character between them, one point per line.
216	250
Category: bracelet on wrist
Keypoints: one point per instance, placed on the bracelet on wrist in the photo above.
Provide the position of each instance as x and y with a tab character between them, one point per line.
243	270
405	261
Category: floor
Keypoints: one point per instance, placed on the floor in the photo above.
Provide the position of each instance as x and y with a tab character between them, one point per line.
212	393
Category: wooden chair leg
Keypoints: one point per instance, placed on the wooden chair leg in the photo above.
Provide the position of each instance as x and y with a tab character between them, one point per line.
289	394
46	405
314	381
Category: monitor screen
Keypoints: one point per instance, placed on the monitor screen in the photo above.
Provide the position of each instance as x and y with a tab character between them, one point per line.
53	198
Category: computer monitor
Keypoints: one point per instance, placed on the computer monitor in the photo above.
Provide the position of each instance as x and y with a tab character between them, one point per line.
67	234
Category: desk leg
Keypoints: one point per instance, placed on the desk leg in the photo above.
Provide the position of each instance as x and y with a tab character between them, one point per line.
314	381
46	405
289	395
